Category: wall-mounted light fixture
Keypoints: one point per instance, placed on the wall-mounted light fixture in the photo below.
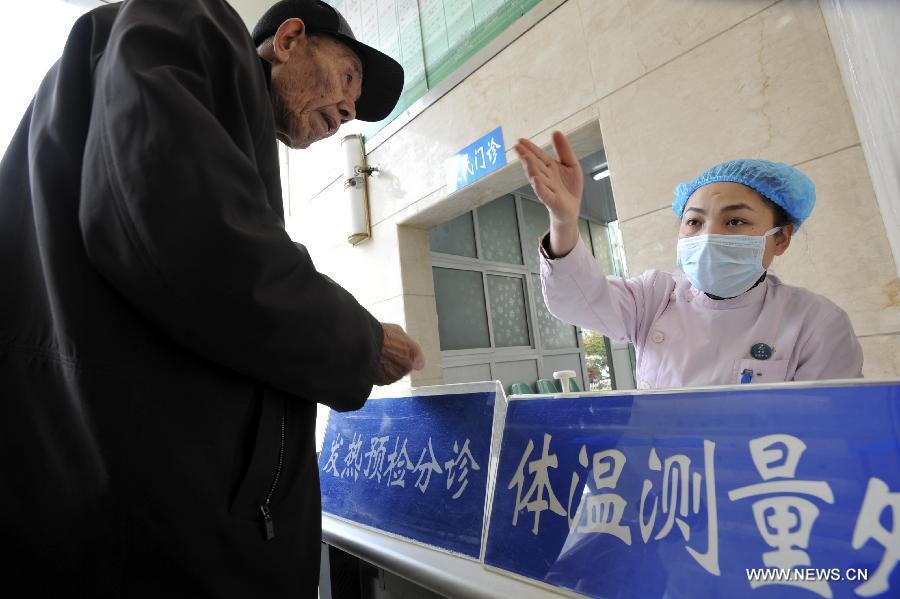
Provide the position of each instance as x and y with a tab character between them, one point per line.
355	187
600	172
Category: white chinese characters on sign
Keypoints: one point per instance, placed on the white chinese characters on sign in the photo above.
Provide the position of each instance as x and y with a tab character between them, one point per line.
425	468
784	518
491	150
398	465
878	499
375	457
458	468
784	514
391	468
353	459
600	512
680	487
331	464
534	499
476	161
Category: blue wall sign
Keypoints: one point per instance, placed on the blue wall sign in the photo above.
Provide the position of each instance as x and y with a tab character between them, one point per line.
790	491
481	157
412	466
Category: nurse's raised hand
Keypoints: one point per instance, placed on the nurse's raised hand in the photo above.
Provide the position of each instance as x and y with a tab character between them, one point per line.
558	183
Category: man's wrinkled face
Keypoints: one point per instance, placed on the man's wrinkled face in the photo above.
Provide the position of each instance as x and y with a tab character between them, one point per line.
316	81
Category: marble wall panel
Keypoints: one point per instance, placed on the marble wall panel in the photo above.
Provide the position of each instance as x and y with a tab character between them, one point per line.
842	250
768	88
628	38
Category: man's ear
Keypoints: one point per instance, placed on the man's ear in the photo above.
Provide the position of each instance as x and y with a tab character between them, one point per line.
289	34
783	239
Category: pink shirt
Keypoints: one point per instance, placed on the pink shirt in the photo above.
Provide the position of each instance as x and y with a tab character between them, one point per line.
684	338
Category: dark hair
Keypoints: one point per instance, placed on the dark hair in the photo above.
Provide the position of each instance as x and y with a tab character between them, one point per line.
782	218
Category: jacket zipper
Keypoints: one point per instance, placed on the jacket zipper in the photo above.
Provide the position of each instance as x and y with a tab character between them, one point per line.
265	513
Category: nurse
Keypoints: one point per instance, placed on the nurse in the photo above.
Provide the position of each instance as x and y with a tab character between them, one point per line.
723	319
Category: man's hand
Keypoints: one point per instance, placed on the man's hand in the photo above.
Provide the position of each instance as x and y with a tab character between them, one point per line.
559	185
399	355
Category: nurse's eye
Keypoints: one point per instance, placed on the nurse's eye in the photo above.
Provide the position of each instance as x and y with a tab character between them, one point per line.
692	222
736	222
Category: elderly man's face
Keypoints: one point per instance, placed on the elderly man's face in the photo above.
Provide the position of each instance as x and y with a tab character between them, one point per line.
316	81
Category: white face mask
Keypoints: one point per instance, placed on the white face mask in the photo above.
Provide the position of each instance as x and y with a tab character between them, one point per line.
723	265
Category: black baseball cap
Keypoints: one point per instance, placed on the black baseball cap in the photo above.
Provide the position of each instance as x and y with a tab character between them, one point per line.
382	75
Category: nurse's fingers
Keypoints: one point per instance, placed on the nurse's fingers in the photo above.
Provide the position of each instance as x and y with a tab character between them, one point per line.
525	151
529	162
534	167
564	149
537	151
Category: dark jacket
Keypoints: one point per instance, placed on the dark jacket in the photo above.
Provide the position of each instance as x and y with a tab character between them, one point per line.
163	343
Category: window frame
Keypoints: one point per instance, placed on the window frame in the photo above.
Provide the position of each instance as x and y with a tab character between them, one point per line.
492	356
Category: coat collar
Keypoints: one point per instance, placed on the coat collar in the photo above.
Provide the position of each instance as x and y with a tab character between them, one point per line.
267	71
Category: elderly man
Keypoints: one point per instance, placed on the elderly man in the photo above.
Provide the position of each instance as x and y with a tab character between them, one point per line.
163	342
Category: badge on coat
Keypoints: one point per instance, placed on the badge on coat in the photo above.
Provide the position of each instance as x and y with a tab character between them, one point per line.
761	351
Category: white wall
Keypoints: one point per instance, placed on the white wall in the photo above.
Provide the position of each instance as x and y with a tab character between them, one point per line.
866	39
251	10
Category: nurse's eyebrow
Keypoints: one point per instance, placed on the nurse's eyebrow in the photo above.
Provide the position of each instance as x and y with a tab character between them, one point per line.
742	206
729	208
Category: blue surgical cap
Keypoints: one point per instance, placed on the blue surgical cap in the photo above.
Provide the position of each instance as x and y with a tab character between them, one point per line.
776	181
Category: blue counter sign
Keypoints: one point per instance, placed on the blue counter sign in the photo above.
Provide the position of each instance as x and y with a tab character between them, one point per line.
478	159
789	492
415	467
